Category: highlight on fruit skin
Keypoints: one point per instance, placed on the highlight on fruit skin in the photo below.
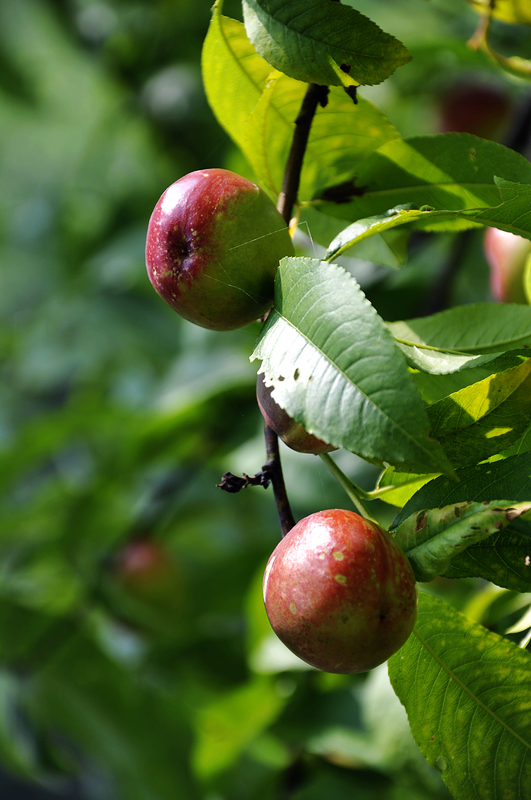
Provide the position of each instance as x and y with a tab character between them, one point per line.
213	247
340	593
287	429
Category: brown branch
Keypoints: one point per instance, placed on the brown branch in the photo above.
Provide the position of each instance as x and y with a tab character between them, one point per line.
273	471
315	95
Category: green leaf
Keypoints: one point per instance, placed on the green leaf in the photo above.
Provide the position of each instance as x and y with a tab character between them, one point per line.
341	137
433	537
467	693
471	329
229	59
401	486
446	172
316	42
511	213
485	418
260	112
502	559
509	478
390	248
442	362
227	725
337	371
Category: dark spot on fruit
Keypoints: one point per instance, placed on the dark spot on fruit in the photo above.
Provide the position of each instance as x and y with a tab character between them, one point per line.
179	250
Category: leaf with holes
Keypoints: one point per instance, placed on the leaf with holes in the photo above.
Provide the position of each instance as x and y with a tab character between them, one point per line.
337	371
433	537
317	42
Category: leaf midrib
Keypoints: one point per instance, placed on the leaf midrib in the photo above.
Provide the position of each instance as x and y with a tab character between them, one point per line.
465	689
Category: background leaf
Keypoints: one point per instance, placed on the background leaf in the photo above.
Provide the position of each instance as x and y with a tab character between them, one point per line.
468	696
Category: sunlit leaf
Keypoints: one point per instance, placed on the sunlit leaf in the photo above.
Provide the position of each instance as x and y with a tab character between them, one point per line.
312	41
467	693
484	418
336	370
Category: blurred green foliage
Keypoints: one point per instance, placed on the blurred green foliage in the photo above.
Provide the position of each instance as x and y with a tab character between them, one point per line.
117	420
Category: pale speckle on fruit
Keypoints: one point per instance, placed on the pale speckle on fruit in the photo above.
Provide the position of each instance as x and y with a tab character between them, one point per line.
341	578
322	556
293	608
338	555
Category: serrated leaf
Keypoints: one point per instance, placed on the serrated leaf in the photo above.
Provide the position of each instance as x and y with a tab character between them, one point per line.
433	537
504	559
450	172
472	329
342	135
316	42
467	693
485	418
336	370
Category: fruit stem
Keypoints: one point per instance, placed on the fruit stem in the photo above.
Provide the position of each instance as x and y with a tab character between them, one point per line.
354	492
273	469
315	95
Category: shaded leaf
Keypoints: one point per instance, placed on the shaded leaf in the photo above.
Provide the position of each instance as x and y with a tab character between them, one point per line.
446	172
469	330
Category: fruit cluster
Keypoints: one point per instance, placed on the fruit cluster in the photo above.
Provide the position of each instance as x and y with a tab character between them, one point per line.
338	591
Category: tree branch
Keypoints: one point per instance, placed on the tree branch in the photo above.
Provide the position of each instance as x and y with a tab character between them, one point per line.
315	95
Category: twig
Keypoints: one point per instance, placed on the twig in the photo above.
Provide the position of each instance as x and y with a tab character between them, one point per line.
273	470
315	95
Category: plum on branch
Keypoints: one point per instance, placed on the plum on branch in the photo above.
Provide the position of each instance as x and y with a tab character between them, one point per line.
340	593
213	246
